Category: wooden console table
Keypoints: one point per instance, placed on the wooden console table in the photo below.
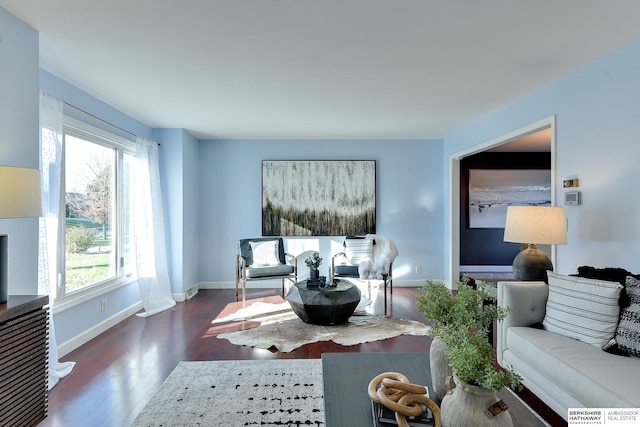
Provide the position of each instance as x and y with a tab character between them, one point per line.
24	345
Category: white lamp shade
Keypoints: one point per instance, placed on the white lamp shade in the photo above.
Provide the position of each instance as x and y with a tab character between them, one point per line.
20	195
536	224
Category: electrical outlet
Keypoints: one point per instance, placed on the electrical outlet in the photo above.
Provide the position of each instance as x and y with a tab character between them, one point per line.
103	305
418	269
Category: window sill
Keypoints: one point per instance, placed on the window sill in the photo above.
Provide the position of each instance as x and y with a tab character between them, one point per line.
90	293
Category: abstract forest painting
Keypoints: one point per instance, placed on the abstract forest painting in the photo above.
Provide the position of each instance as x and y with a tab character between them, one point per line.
491	191
318	198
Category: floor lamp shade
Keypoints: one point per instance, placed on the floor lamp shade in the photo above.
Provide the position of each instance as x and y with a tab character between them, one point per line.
20	197
534	225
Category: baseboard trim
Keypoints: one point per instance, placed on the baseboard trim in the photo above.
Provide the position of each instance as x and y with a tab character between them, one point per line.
75	342
186	295
191	292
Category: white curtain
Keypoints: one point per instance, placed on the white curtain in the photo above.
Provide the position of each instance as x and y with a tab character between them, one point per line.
151	251
51	171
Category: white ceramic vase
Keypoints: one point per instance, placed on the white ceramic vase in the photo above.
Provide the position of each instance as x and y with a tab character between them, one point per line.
439	366
465	405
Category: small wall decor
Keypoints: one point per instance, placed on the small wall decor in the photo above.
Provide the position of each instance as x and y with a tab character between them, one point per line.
492	190
318	197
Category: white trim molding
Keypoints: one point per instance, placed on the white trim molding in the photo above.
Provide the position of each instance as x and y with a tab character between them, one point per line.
91	333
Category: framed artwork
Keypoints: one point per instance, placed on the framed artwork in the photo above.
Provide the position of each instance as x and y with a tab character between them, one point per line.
492	190
318	197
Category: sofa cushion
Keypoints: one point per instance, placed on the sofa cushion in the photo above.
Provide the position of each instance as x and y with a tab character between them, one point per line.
627	336
583	309
265	253
590	375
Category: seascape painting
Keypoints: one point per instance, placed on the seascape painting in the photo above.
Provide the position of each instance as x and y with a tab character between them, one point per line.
318	198
492	190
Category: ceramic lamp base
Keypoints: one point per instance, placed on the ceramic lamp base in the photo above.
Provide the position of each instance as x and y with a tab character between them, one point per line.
531	265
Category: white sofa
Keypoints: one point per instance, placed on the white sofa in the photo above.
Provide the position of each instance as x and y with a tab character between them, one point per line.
563	372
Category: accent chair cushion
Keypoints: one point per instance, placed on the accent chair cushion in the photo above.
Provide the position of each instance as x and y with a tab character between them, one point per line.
628	332
358	250
583	309
347	270
276	270
265	253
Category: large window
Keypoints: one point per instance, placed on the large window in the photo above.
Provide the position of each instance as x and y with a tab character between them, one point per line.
98	247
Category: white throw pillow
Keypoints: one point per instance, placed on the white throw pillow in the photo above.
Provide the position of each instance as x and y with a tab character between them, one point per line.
359	250
265	254
583	309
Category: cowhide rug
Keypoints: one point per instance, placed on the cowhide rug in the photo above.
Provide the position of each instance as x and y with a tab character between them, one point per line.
282	330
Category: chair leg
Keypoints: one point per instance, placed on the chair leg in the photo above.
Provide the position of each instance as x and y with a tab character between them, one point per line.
244	291
237	276
385	277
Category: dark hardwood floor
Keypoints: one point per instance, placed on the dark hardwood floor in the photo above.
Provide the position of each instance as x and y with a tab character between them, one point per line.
118	372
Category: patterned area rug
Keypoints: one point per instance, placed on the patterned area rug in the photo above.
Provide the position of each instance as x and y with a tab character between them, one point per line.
238	393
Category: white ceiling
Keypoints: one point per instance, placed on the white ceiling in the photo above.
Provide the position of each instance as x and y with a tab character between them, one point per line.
320	68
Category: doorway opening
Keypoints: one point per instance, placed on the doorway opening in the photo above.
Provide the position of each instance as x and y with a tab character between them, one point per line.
536	137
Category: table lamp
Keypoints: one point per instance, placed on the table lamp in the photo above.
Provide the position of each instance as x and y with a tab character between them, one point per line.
19	198
534	225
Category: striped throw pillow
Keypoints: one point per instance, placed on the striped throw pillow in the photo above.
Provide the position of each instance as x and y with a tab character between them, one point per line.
628	332
359	250
583	309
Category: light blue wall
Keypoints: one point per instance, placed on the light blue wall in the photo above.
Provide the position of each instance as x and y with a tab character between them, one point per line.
191	215
409	199
19	107
598	140
179	176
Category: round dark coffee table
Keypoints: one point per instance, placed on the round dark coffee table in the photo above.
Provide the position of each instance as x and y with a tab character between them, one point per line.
324	305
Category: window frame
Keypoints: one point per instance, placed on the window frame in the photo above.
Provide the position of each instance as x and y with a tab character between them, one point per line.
64	300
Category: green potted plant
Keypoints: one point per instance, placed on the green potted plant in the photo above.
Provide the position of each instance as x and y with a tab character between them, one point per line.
313	262
462	322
